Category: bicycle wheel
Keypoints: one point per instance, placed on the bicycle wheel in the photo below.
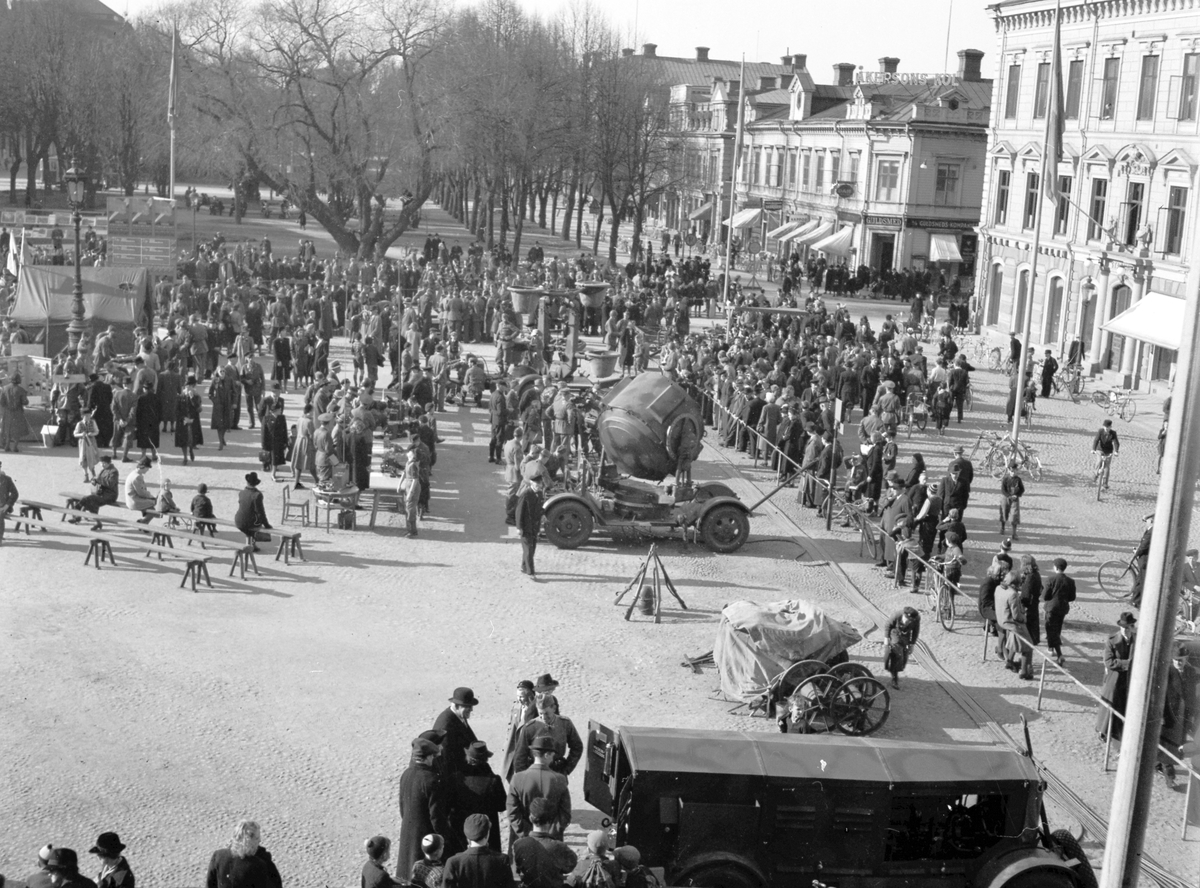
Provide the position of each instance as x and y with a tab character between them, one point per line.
945	607
1116	578
1098	479
1100	399
1128	410
995	359
921	419
1075	387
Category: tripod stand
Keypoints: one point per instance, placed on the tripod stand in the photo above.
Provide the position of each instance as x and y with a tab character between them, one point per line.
660	578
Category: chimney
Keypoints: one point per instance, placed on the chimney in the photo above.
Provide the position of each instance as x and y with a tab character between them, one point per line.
765	82
702	53
648	49
626	53
786	61
970	65
888	64
843	73
799	62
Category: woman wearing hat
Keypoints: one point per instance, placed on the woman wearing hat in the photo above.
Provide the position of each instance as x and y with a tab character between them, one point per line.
86	432
251	515
188	431
1118	654
274	438
303	453
114	868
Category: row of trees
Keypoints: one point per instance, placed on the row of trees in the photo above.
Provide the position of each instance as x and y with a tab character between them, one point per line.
356	110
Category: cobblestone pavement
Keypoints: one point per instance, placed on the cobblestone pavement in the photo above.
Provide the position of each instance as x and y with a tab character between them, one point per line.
135	706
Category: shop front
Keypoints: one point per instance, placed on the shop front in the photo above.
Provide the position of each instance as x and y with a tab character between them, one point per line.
946	245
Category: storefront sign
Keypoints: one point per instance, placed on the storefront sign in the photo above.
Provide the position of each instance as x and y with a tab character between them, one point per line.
905	77
772	205
883	221
942	224
844	189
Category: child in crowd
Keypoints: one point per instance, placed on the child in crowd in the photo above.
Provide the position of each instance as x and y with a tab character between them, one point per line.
166	503
202	508
427	872
953	559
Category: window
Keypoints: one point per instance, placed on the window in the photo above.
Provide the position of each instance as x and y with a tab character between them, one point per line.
1003	181
756	166
1031	201
1135	199
887	180
1096	208
835	167
820	175
805	163
792	168
854	167
1041	94
1063	211
1176	210
946	189
1074	88
1187	86
1147	88
1013	94
1108	89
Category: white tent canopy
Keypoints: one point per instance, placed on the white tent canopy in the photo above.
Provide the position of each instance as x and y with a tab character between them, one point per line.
811	237
837	244
775	232
742	218
944	248
800	230
1155	318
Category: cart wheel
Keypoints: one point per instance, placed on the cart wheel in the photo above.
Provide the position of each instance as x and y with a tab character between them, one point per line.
724	529
815	698
786	682
568	525
844	671
861	706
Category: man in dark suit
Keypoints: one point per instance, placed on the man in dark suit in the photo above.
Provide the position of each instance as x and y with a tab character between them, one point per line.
498	410
424	807
99	399
453	723
529	522
251	514
479	866
966	475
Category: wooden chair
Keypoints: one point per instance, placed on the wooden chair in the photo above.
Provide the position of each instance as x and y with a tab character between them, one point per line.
300	507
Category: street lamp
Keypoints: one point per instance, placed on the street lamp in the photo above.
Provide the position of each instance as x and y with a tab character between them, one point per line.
76	188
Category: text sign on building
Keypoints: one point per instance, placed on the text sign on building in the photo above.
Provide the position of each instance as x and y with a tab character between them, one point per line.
909	77
883	221
942	224
141	231
772	205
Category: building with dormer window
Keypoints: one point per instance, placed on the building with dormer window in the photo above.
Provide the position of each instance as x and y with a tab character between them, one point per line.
1113	254
881	168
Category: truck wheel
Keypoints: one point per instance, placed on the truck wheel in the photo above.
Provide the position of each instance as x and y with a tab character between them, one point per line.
1041	878
568	525
725	529
723	875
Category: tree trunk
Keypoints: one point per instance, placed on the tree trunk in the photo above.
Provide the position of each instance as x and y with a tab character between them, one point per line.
522	188
13	169
595	234
554	211
475	208
572	191
543	197
491	217
636	249
505	190
613	234
579	225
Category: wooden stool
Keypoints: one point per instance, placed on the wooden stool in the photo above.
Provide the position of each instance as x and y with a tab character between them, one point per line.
244	556
197	569
100	548
289	545
28	512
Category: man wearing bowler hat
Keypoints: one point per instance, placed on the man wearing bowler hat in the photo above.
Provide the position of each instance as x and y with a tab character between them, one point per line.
453	721
479	866
63	866
539	781
424	807
114	868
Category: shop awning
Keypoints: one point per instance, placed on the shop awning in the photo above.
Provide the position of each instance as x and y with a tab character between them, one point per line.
801	230
816	234
944	248
701	211
1155	318
836	244
786	226
742	218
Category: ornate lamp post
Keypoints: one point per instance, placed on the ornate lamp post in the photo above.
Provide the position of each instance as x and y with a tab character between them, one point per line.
76	188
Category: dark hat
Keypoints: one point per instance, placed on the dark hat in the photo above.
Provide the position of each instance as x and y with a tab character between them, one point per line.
63	860
432	845
93	377
958	450
424	748
377	845
478	752
191	379
432	736
252	479
109	844
144	463
545	683
1006	545
1060	563
104	457
526	684
325	417
542	743
910	612
464	697
1126	619
477	827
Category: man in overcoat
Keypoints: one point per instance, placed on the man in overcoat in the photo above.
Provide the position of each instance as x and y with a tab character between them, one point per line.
424	807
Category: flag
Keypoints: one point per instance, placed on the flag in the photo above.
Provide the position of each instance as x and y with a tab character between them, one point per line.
171	87
17	256
1055	117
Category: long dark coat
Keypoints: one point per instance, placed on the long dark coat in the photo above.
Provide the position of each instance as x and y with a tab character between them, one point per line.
477	790
99	398
1117	652
275	437
223	394
146	421
188	408
424	809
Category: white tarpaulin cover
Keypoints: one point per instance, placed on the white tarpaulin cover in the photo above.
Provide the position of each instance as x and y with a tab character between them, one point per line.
116	295
836	244
775	232
701	211
944	248
742	218
802	230
811	237
756	642
1155	318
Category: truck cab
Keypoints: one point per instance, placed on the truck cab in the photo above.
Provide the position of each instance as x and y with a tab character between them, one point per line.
728	809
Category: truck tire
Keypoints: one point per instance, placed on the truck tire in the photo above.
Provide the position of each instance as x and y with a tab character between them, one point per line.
724	528
722	875
1041	878
568	525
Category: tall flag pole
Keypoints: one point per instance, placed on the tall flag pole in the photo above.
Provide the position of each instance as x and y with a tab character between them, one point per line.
171	89
1052	142
737	160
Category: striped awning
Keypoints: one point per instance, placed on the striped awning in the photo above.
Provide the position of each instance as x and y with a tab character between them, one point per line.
815	235
742	218
944	248
800	230
837	244
701	211
775	232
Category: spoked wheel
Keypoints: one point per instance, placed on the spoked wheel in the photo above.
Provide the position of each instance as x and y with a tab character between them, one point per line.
1128	410
945	607
1116	578
1100	399
791	678
921	419
1034	464
815	697
844	671
725	529
861	706
568	525
1075	387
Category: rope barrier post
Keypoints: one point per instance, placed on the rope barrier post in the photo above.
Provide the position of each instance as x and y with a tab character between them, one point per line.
1187	805
1108	739
987	634
1042	685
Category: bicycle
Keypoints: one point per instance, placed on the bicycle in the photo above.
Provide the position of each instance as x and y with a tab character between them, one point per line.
1117	577
1100	476
915	411
1003	451
1116	401
1070	380
939	595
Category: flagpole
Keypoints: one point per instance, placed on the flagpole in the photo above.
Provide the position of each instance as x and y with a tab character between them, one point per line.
737	159
1053	100
171	108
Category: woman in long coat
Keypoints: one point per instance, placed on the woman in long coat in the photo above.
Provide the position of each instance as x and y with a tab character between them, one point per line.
146	421
222	391
275	438
360	442
303	455
188	431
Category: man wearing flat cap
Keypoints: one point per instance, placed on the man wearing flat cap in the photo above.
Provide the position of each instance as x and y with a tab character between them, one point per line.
479	866
63	866
539	781
453	721
114	868
424	807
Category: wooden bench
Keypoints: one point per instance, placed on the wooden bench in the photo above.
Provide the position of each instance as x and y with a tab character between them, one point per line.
289	541
197	564
99	546
392	500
